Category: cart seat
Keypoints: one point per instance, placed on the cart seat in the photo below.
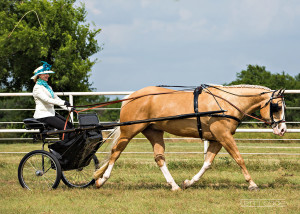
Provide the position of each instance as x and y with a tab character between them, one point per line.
32	123
88	120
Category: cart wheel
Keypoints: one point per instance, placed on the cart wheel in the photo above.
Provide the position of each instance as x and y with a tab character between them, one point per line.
39	169
82	177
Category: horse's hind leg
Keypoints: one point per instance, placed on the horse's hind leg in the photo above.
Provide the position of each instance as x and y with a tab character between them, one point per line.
127	133
115	153
157	141
213	149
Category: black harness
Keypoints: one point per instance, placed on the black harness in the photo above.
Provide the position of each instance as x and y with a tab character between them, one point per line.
197	92
274	107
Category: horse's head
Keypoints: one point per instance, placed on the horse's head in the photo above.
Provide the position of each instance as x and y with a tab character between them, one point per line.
273	112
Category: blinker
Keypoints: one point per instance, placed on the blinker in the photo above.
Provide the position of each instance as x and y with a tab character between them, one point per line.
275	107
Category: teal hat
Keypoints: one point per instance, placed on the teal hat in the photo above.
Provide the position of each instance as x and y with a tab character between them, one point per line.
44	69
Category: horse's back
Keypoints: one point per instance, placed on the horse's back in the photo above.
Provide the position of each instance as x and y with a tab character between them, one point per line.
158	100
150	90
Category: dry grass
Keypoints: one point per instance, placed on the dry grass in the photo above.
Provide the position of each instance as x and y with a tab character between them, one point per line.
138	186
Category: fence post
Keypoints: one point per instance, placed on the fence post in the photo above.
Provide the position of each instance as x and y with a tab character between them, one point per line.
205	148
72	103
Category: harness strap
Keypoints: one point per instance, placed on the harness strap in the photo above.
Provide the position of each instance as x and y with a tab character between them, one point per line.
271	110
198	91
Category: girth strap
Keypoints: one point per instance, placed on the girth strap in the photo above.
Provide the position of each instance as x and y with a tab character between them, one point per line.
198	91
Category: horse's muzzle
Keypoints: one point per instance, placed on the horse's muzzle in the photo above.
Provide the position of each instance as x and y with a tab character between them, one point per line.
279	129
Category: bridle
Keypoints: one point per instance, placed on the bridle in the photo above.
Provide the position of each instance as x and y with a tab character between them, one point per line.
274	107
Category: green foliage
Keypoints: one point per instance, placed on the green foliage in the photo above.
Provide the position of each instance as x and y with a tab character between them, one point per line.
258	75
64	40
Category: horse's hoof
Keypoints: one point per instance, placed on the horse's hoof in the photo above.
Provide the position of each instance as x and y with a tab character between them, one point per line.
185	185
98	183
253	188
176	189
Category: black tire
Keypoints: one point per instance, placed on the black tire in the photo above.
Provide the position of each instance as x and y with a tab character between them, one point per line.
39	169
83	177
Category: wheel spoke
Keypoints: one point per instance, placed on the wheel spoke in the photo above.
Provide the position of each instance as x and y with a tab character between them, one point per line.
35	170
82	177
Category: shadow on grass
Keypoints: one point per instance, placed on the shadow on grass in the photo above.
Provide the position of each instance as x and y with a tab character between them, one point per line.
137	186
222	164
222	185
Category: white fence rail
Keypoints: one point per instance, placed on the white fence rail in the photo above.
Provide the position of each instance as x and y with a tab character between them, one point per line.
71	100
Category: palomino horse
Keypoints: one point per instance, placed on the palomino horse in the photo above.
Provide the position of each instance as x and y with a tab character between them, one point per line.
239	100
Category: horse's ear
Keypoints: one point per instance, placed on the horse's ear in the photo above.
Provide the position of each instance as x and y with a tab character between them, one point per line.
281	91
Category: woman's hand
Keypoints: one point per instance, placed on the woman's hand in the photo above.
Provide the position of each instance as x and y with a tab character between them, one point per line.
67	104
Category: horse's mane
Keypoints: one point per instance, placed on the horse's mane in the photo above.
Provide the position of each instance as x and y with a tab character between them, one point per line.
247	86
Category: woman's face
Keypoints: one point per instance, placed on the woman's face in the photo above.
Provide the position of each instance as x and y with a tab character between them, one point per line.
44	77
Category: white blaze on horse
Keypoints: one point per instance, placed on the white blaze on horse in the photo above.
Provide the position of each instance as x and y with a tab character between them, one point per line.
238	101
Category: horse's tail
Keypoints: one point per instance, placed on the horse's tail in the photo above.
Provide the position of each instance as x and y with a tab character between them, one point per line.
114	136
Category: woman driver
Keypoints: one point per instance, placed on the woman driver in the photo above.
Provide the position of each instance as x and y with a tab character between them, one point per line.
45	99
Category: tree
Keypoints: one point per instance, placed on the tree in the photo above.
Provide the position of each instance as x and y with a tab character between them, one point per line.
257	75
54	31
63	40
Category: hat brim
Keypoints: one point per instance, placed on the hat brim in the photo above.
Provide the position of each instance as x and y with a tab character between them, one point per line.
44	72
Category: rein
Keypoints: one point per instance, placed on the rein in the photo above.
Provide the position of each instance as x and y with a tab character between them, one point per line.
98	105
272	123
244	113
203	86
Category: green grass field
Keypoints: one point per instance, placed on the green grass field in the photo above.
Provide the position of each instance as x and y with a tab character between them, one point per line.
138	186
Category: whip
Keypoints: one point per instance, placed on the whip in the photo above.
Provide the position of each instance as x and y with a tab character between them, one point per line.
23	17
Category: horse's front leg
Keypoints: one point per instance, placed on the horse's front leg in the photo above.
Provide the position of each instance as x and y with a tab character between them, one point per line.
229	144
156	139
213	149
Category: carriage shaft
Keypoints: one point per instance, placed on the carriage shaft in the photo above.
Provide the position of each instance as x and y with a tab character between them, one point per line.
112	125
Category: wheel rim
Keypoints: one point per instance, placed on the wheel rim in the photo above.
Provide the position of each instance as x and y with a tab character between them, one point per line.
39	171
